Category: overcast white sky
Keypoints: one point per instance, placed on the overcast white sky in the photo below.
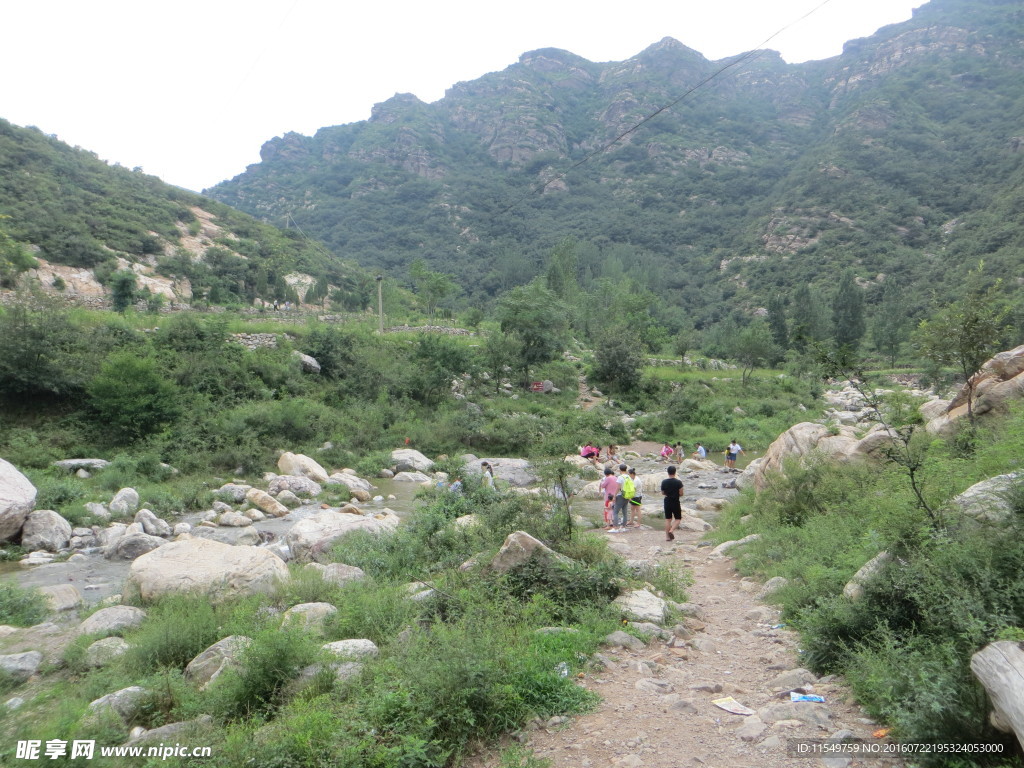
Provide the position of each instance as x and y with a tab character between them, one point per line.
189	90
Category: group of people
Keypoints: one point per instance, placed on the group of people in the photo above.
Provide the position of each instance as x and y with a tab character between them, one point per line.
674	453
623	495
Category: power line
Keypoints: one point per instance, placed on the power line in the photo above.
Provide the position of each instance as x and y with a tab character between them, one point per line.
751	55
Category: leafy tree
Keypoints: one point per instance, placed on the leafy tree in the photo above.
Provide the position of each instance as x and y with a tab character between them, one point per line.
14	259
889	325
682	343
131	399
809	324
318	292
848	313
777	321
438	360
538	318
432	287
500	351
966	333
123	286
40	353
752	346
618	361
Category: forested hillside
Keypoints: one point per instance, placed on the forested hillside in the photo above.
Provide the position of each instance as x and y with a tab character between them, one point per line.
899	159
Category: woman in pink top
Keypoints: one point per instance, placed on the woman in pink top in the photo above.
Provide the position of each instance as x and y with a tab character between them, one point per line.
610	488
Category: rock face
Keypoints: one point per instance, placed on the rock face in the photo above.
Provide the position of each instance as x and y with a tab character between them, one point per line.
45	529
315	533
518	548
17	497
408	460
298	464
1000	667
999	382
200	566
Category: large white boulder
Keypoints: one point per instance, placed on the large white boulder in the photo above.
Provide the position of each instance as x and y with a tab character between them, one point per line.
125	502
47	530
302	465
17	497
516	472
997	384
518	548
314	534
409	460
642	605
989	500
113	619
211	663
201	566
999	667
265	502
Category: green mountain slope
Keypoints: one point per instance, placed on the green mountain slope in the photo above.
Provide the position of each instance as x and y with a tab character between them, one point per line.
898	158
82	220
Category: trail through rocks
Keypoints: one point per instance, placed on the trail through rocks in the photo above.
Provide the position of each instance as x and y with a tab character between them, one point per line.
657	707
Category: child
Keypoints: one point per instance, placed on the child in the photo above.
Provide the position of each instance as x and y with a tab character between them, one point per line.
610	489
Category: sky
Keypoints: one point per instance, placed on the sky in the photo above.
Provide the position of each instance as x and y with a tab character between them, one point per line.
190	90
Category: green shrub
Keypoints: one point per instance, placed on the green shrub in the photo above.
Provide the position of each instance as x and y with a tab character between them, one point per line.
130	399
21	607
57	492
176	630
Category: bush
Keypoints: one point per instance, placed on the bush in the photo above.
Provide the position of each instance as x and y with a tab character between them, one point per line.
130	399
21	607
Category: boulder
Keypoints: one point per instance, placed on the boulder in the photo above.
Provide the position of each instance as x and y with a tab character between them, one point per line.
247	536
104	651
152	524
116	618
46	530
351	481
266	503
642	605
73	465
314	534
854	589
518	548
412	477
989	500
109	535
807	712
125	502
301	465
308	616
516	472
337	573
624	639
233	520
233	492
352	649
200	566
133	545
997	384
19	667
222	655
309	364
409	460
725	546
125	703
746	479
801	441
999	667
300	485
62	597
17	498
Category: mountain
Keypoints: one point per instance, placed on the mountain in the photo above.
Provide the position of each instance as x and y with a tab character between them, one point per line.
75	221
901	159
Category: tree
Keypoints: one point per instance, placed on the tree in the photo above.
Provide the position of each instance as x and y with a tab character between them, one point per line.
432	287
889	325
682	343
848	313
777	321
123	285
617	360
966	333
501	351
752	346
14	259
538	318
131	399
809	324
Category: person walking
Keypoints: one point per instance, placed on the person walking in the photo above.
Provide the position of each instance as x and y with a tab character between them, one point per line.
609	489
672	490
620	514
731	453
636	508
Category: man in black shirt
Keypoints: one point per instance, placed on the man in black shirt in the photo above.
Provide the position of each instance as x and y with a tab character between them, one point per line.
672	490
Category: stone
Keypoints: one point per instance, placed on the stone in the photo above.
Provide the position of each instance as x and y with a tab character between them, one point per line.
170	733
17	498
211	663
19	667
409	460
265	502
125	502
115	618
809	713
337	573
133	545
104	651
308	363
246	536
62	597
654	685
234	520
624	639
352	649
152	524
301	465
518	548
772	585
312	536
989	500
793	678
46	530
760	614
999	668
351	481
310	616
642	605
97	510
125	703
710	505
287	498
751	729
234	492
518	473
180	528
299	485
412	477
73	465
200	566
996	385
725	546
854	589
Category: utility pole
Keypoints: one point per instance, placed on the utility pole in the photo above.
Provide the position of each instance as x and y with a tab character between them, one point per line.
380	305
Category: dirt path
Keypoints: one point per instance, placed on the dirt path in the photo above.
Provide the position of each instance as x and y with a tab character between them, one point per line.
656	709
